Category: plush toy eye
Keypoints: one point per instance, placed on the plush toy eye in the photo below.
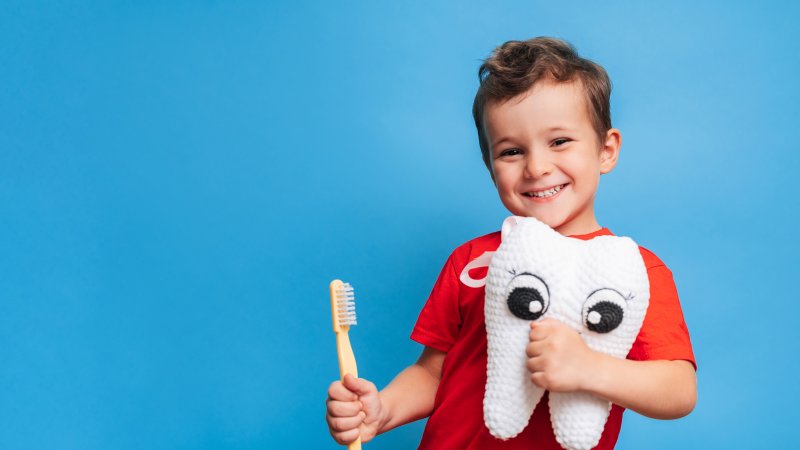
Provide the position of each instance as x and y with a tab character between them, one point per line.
529	297
603	310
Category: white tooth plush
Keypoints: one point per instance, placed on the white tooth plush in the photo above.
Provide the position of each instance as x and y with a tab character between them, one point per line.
598	287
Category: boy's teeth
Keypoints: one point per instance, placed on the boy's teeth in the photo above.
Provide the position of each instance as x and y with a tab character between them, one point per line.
547	193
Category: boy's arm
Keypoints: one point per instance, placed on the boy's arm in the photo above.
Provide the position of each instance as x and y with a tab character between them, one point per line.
657	389
560	361
410	395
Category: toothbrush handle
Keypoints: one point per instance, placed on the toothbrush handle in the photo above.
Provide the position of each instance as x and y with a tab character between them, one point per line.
347	364
347	360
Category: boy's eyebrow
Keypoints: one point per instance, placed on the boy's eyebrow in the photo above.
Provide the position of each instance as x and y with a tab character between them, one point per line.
557	128
548	130
500	141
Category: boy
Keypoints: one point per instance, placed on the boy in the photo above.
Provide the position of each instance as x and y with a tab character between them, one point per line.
544	127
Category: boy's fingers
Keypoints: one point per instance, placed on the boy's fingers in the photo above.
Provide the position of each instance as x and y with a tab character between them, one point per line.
345	437
535	364
342	424
543	323
338	391
534	349
550	322
538	332
540	379
343	409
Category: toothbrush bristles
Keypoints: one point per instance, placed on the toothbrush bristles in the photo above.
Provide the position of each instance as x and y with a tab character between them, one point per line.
346	305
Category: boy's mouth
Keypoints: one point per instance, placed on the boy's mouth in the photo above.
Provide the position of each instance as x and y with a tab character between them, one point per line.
545	193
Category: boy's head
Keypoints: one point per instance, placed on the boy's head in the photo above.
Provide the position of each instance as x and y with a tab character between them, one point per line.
514	67
544	126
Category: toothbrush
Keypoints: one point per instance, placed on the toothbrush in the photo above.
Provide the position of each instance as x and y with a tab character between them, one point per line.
343	308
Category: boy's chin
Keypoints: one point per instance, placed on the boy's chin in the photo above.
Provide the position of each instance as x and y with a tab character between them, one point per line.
548	217
550	221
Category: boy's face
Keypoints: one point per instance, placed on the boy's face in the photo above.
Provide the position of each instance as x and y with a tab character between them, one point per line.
546	158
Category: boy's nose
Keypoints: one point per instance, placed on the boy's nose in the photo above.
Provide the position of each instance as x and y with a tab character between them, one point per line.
537	166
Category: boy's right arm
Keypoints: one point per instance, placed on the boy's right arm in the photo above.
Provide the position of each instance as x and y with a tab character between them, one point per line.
355	407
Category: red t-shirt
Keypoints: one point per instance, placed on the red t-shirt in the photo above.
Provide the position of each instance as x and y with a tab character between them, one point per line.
452	321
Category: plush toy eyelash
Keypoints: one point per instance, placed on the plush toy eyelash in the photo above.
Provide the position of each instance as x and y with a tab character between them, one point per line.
626	297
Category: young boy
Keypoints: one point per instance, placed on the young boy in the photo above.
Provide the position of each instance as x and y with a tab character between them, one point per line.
544	127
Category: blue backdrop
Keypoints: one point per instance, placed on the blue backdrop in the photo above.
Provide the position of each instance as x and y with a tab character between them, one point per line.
179	181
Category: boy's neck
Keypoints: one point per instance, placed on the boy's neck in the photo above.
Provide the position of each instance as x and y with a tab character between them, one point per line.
579	226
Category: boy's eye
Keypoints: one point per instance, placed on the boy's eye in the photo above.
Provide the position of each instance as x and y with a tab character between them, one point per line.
560	141
510	152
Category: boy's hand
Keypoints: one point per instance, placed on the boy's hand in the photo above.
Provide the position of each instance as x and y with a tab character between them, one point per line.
353	409
558	359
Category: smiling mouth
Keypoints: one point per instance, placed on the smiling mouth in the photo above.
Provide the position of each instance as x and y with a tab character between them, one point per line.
545	193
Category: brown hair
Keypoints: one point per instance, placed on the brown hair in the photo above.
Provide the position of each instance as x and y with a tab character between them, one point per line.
514	67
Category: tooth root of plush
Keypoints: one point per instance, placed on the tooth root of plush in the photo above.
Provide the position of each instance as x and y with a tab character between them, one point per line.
578	419
510	396
507	413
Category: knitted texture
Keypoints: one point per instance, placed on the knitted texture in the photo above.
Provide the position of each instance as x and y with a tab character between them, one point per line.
597	287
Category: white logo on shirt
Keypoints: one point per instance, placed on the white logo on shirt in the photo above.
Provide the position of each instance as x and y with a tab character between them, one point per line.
480	261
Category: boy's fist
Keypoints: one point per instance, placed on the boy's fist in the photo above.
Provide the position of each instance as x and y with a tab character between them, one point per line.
558	358
353	410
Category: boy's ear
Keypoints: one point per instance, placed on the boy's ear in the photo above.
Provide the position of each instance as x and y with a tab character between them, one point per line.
609	153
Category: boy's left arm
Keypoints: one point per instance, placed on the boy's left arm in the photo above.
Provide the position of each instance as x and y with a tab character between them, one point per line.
560	361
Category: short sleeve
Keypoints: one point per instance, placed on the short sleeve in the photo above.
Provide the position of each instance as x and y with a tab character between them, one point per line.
664	335
439	322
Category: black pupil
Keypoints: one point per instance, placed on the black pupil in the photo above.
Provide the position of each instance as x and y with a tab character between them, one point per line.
519	302
610	317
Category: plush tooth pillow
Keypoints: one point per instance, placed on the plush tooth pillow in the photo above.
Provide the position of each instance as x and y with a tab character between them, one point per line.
598	287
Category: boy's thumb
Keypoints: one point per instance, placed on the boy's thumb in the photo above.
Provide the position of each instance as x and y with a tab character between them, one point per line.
356	385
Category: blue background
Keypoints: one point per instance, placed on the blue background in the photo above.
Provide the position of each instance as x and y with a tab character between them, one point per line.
179	181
